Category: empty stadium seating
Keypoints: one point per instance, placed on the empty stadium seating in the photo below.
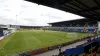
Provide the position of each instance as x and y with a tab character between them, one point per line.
79	30
86	49
1	34
75	27
70	30
81	25
91	25
91	30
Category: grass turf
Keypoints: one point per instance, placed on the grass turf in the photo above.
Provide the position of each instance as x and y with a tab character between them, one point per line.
24	40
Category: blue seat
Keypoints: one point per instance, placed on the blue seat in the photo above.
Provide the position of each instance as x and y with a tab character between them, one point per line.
67	25
90	25
91	30
77	50
73	25
81	25
1	34
79	30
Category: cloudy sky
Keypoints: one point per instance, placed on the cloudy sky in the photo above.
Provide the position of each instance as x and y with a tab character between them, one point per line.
21	12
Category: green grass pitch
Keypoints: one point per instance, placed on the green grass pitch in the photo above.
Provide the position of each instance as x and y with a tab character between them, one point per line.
24	40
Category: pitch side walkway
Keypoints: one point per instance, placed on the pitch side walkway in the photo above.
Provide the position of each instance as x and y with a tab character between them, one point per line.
56	51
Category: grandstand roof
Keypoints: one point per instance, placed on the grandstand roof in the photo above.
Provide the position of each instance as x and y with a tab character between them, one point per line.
85	8
84	20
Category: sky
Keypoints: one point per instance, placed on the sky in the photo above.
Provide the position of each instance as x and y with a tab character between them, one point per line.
20	12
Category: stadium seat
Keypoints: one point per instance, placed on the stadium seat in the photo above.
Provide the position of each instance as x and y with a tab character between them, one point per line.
91	25
67	25
88	47
70	30
73	25
91	30
81	25
79	30
1	34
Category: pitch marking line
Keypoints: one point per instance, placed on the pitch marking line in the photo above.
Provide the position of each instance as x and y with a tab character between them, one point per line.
36	39
6	42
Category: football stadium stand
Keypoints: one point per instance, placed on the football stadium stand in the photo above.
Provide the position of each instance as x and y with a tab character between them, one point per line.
71	26
5	30
31	27
86	8
88	48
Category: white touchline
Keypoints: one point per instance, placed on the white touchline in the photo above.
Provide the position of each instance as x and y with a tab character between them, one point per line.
36	39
